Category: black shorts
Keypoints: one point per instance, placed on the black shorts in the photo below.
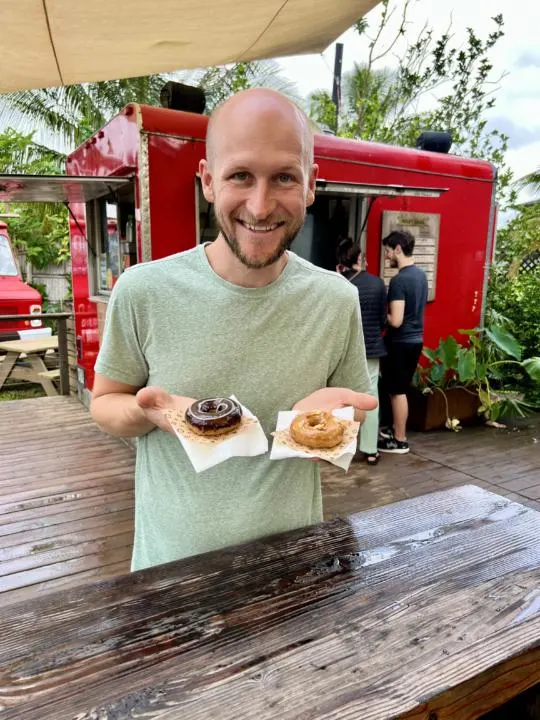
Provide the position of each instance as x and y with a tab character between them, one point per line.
398	367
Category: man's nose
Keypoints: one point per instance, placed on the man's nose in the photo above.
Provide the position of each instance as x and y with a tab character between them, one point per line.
261	201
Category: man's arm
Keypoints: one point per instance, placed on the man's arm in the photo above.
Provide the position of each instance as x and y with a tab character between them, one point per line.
115	409
127	411
396	313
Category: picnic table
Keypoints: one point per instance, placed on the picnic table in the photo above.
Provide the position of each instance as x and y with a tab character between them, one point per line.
24	361
426	608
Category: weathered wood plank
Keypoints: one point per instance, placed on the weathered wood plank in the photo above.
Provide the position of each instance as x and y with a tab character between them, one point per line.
368	617
66	530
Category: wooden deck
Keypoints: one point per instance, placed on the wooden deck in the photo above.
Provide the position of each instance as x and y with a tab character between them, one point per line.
66	498
66	489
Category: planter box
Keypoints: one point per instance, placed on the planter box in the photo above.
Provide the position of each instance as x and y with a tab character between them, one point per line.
428	412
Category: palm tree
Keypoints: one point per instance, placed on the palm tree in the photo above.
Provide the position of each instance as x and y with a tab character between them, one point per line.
69	115
530	182
370	101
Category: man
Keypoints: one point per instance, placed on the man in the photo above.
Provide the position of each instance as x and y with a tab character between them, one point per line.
372	297
239	316
407	296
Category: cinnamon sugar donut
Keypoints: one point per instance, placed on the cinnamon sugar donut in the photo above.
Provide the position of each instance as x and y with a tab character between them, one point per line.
317	429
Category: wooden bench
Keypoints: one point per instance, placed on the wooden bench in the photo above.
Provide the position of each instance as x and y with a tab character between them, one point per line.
50	374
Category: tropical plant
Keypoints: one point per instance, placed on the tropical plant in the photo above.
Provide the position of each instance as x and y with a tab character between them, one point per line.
514	284
41	230
477	367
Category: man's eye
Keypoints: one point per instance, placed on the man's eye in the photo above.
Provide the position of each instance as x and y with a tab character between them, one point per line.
285	178
240	176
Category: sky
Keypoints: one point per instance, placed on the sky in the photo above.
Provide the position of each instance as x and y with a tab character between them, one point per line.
517	107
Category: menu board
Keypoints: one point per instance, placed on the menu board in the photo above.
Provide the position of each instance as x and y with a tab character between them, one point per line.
425	229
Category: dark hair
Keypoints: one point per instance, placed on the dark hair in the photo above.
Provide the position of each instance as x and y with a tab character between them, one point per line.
403	238
348	253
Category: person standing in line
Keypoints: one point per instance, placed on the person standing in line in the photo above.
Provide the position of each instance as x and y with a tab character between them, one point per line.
372	297
407	297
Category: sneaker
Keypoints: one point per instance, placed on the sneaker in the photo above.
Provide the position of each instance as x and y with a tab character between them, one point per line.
386	432
391	445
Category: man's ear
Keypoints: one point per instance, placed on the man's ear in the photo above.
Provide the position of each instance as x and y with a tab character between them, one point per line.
206	181
310	197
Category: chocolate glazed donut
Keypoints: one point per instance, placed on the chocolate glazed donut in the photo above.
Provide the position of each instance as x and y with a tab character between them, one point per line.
214	416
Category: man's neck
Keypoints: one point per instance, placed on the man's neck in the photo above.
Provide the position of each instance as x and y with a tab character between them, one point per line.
225	264
404	261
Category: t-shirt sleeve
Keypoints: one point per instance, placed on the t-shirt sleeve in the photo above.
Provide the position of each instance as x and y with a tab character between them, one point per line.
351	371
396	290
120	356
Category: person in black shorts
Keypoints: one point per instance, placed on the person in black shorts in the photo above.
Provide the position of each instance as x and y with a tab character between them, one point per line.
407	297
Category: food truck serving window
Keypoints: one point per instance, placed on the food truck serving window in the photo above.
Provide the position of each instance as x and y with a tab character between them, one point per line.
341	210
111	233
112	237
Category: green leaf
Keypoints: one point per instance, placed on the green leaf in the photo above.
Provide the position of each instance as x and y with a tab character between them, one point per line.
466	365
505	341
437	374
448	350
430	354
532	366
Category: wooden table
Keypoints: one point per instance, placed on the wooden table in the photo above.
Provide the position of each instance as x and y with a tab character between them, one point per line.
427	608
34	350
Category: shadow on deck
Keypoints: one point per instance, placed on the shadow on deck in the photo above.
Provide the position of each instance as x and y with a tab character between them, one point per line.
66	488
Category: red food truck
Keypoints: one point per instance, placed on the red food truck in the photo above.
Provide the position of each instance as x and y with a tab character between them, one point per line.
134	195
16	297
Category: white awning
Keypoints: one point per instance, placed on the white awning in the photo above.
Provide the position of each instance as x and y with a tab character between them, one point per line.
58	188
62	42
339	188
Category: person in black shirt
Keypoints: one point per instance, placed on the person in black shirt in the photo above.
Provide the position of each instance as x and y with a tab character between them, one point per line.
372	296
407	297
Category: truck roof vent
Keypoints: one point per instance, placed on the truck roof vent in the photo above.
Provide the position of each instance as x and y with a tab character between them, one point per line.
177	96
439	142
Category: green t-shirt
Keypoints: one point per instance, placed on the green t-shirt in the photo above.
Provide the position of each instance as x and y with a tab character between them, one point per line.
174	323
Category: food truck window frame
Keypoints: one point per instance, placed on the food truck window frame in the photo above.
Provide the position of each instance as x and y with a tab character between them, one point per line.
110	255
390	221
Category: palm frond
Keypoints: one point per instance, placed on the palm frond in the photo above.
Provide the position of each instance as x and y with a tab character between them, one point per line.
531	182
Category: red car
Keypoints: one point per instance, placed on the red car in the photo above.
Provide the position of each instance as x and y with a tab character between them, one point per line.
16	297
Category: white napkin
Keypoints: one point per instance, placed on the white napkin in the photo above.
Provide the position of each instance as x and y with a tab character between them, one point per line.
343	460
249	442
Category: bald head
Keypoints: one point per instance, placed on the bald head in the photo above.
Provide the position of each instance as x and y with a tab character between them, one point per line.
254	109
259	175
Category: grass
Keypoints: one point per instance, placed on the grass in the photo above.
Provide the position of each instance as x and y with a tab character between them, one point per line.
18	393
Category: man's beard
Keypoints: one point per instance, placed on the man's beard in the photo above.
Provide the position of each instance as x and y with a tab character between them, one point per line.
234	245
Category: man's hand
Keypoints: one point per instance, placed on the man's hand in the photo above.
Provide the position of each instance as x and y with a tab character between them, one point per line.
332	398
153	400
